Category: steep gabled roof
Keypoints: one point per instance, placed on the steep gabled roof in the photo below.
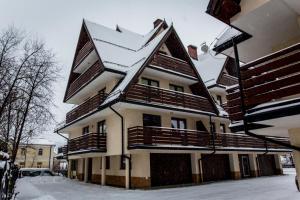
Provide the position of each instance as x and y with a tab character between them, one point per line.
210	67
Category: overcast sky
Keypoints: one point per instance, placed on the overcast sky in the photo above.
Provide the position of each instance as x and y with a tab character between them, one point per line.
58	23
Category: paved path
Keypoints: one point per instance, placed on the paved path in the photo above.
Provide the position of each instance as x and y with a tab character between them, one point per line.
263	188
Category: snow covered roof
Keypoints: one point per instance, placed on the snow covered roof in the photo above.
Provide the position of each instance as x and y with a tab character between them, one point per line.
41	141
209	67
117	48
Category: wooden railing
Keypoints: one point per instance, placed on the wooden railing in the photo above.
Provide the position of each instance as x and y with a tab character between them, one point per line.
149	94
83	52
63	150
139	136
270	78
228	80
85	77
86	107
89	141
174	64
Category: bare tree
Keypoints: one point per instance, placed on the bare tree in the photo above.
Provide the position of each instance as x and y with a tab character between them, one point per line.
28	72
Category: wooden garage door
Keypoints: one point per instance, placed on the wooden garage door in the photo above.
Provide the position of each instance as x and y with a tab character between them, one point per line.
215	167
170	169
266	164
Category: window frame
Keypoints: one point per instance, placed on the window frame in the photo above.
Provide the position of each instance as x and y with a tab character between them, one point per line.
149	81
103	126
84	130
178	122
40	152
219	99
224	127
176	87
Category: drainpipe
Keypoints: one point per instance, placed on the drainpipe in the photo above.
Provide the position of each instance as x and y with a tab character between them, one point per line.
267	150
213	143
50	157
122	145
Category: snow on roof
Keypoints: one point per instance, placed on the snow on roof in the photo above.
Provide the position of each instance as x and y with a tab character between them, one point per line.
117	48
209	67
228	35
140	56
41	141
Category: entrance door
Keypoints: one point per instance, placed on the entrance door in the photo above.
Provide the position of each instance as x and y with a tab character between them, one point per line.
244	166
216	167
150	120
266	164
90	169
170	169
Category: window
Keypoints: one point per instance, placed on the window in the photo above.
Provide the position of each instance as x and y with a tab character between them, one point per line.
176	88
151	120
101	127
219	99
178	123
200	126
40	153
85	130
122	162
107	162
223	128
23	151
39	165
150	82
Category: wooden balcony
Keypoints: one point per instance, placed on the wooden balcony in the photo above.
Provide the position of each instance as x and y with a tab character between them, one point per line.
84	78
149	94
88	142
63	150
86	107
140	136
267	79
83	52
173	64
228	80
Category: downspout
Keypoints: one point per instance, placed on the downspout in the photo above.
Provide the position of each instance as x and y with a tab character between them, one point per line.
246	129
50	157
122	145
267	150
213	143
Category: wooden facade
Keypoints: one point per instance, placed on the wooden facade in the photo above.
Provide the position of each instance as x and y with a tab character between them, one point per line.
89	141
95	70
155	136
149	94
267	79
173	64
86	107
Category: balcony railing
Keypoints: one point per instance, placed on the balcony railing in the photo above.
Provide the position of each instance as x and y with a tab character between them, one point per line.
267	79
63	150
228	80
88	142
149	94
83	52
174	64
84	78
86	107
158	136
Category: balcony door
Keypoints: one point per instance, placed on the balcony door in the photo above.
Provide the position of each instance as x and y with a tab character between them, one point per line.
178	123
150	121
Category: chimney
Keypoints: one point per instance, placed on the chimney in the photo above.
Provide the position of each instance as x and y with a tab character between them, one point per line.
157	22
192	50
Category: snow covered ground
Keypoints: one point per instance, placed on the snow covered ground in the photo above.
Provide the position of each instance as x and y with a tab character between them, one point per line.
263	188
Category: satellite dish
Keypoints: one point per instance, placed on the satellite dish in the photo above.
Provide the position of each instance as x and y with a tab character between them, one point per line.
204	47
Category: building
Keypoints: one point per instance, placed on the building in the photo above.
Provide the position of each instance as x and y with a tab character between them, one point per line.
37	153
145	118
265	35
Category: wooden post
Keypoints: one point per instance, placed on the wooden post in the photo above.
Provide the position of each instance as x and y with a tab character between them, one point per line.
103	170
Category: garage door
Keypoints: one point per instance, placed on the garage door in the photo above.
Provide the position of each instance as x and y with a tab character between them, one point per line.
266	165
170	169
215	167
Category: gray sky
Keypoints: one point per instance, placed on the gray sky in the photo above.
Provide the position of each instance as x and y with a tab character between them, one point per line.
58	23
